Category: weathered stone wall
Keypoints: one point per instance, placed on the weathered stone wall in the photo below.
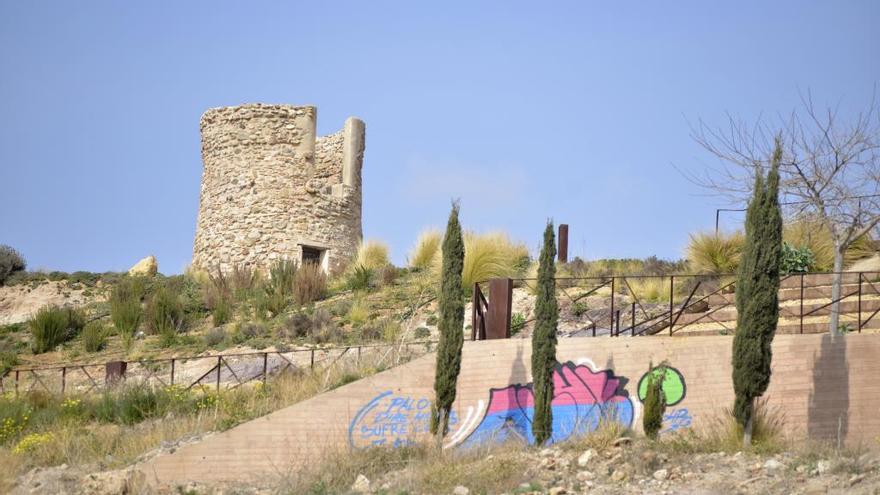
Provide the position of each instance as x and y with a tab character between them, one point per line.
822	388
270	187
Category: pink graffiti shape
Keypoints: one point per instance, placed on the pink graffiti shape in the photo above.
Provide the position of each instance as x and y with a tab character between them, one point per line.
573	385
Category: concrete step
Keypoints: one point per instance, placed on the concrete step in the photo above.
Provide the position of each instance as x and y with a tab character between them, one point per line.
847	306
787	326
793	294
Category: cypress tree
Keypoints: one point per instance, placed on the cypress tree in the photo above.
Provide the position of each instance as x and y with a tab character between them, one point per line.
757	292
544	340
655	402
451	326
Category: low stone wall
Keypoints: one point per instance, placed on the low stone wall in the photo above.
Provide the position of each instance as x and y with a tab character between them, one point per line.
823	388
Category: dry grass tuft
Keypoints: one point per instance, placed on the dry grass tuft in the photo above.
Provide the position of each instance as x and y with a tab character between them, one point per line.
486	256
426	248
715	253
372	255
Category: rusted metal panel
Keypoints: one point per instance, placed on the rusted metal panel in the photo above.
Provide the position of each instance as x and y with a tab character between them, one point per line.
115	371
562	250
500	308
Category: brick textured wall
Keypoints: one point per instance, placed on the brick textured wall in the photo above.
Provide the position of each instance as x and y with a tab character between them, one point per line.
822	387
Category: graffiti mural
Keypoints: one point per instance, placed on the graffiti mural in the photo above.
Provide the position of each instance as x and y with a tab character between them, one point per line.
582	398
674	387
392	420
677	419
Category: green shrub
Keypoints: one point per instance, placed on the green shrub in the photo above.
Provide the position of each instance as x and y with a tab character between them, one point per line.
715	253
517	323
11	261
309	284
8	360
425	250
655	402
52	326
795	260
318	327
251	330
94	336
165	315
278	290
422	333
813	234
372	254
215	336
125	306
360	278
221	312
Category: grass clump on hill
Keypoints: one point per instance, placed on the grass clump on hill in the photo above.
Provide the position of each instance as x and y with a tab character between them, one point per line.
426	248
125	307
52	326
715	253
94	336
372	255
487	256
165	314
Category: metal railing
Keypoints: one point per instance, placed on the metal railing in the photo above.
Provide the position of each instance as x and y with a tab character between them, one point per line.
704	296
220	371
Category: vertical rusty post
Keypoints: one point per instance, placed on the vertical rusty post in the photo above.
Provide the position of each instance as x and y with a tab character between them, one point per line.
265	366
860	302
359	356
114	371
671	302
219	362
594	328
500	308
475	300
802	303
617	318
63	379
612	306
562	250
312	360
172	371
633	327
16	384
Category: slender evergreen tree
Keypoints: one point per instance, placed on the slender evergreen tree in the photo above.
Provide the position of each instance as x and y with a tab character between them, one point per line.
757	293
451	326
544	340
655	402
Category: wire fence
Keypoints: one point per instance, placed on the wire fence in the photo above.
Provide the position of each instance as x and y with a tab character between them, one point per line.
218	371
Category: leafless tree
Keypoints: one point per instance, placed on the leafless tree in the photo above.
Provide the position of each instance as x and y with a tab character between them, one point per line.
830	170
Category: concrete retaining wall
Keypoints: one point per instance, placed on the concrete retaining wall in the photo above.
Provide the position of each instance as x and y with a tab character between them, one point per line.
823	387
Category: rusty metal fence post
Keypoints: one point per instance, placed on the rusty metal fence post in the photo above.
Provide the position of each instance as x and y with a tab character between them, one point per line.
500	308
219	362
671	302
562	251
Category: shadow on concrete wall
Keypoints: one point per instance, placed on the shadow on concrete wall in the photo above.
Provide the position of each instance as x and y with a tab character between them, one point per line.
519	372
828	413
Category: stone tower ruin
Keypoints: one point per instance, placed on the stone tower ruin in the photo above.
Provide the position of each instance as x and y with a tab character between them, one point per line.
271	189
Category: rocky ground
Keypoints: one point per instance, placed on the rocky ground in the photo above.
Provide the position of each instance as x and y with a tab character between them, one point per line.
624	468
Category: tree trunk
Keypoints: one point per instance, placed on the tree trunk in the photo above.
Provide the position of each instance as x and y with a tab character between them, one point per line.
834	320
441	431
747	431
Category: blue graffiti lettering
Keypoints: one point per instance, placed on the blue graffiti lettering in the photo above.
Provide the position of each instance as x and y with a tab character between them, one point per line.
390	419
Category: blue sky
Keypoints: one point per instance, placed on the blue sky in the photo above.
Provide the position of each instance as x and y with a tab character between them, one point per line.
577	111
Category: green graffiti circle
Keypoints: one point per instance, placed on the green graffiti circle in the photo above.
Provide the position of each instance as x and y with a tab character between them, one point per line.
673	385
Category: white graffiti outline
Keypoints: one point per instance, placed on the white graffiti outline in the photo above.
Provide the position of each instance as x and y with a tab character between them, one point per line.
472	418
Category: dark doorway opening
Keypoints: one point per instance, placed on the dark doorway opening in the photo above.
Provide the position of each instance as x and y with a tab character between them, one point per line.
311	255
